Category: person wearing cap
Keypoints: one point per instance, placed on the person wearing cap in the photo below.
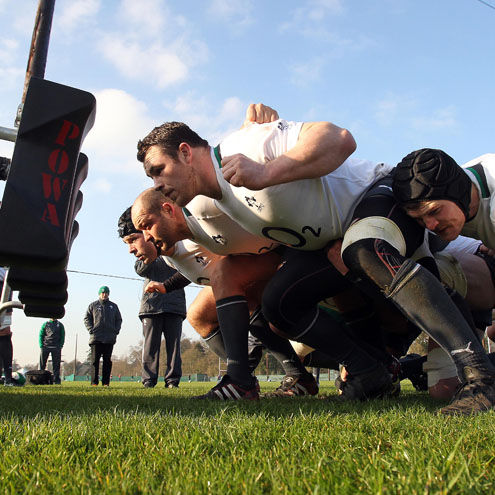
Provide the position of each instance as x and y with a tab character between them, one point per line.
103	321
159	313
6	349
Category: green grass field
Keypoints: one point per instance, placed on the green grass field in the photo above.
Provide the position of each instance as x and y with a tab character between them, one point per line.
127	439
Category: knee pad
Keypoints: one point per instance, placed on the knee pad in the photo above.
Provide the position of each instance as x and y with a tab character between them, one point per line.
375	228
372	248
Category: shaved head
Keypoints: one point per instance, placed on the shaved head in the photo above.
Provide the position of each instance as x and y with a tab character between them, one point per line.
159	218
149	201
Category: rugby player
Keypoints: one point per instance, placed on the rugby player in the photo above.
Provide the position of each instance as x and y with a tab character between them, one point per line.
167	225
291	183
385	249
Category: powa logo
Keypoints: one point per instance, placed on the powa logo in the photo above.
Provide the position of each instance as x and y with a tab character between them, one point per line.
56	180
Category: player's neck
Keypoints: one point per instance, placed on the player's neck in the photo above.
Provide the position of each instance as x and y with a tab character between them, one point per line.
475	201
210	186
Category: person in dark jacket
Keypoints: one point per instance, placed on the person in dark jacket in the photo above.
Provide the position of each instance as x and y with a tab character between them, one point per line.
52	338
159	313
103	322
6	350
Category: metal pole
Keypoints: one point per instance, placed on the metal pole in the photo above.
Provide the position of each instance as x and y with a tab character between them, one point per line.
5	302
39	48
7	134
75	359
317	377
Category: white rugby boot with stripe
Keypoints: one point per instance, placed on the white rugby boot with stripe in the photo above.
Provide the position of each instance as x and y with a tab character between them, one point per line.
226	389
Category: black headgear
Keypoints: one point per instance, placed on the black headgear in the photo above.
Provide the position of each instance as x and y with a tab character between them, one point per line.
125	225
428	174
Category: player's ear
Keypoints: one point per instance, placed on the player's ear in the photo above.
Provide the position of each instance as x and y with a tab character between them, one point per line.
185	152
168	208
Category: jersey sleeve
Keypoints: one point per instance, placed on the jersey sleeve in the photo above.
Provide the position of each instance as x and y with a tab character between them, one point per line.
262	142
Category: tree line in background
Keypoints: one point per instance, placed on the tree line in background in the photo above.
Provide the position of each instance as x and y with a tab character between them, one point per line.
196	358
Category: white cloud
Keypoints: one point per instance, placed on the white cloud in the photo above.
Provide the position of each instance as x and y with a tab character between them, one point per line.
148	16
407	111
394	107
440	119
121	121
155	63
101	185
11	73
160	51
236	14
309	19
209	120
307	72
75	12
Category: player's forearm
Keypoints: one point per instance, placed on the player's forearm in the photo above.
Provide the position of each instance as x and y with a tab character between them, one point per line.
321	148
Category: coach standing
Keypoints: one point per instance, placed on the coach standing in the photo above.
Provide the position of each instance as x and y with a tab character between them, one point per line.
103	321
159	313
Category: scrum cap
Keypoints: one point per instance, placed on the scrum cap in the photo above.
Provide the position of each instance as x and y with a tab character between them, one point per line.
429	174
125	225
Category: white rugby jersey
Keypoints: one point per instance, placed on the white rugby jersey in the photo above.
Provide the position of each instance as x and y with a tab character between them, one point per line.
481	171
462	244
192	261
304	214
220	234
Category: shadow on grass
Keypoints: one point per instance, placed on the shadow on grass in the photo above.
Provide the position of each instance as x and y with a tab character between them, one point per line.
45	400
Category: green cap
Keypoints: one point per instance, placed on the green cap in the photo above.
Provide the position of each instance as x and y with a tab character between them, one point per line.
104	288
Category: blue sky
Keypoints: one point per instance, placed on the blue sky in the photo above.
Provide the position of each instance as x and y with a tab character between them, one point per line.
399	74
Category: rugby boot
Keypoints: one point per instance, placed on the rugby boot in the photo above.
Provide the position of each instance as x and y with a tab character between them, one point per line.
226	389
476	394
375	384
292	386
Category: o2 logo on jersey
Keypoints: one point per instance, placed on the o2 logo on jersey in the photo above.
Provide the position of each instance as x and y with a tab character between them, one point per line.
288	236
253	203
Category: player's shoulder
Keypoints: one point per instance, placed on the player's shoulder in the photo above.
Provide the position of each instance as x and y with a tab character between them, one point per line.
486	160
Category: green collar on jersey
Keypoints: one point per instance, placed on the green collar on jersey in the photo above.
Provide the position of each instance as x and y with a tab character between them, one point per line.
479	174
186	212
218	156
